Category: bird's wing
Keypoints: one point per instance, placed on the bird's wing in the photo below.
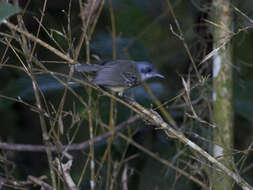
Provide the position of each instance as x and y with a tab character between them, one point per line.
118	74
96	67
130	79
93	68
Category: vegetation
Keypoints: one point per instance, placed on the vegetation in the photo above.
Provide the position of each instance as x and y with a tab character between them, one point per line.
191	130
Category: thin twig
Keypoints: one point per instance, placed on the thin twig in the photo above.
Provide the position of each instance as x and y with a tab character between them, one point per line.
39	182
72	147
45	135
158	121
44	44
64	170
159	159
181	37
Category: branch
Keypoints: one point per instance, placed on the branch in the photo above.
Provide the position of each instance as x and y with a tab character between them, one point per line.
72	147
64	171
42	43
31	180
157	120
39	182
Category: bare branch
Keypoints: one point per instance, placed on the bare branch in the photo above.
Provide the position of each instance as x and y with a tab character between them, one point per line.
71	147
64	170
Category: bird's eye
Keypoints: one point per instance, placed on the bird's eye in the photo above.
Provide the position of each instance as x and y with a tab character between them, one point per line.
146	70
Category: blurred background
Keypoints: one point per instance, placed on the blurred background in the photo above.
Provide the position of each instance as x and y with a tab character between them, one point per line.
145	30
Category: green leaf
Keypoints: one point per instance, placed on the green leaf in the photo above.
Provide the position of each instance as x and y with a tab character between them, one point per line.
7	10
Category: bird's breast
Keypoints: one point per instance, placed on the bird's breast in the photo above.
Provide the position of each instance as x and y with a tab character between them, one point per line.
117	89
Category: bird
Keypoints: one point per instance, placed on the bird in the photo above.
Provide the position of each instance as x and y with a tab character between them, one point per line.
119	75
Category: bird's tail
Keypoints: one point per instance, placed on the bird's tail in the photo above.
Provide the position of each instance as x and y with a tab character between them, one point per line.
87	68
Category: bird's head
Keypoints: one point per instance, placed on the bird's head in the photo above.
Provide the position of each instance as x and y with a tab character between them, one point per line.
147	70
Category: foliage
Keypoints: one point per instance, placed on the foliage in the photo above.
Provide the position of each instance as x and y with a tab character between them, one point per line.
40	105
7	10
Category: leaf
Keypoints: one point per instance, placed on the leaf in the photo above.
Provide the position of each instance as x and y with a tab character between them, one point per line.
7	10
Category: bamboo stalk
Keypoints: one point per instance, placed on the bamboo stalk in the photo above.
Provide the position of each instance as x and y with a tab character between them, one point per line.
222	93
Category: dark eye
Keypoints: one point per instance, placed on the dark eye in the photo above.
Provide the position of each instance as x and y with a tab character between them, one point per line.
146	70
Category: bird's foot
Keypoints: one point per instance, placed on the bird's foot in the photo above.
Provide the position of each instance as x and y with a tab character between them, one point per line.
128	99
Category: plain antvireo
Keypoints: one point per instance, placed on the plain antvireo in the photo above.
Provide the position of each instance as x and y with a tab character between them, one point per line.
119	75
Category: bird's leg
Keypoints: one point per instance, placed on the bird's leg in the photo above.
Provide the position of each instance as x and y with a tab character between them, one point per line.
120	94
128	99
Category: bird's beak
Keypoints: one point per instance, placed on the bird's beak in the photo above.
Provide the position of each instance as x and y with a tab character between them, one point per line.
159	75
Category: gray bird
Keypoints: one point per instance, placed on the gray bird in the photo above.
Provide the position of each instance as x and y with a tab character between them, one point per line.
119	75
